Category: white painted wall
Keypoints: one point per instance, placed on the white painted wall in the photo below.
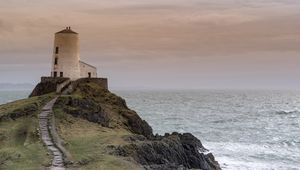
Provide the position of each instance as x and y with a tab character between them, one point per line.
85	69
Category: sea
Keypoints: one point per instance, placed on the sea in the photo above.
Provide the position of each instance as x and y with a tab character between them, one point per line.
244	129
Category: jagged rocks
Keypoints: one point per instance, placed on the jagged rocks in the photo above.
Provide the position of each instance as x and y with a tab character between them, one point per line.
84	108
136	124
176	151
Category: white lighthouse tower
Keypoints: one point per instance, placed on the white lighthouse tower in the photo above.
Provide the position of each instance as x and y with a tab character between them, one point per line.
66	59
66	55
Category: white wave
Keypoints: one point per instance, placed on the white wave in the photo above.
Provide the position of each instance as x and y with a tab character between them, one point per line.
237	156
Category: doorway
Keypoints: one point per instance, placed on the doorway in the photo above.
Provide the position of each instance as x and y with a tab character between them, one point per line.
54	74
89	74
61	74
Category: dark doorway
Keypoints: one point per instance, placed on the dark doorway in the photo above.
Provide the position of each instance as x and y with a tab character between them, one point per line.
61	74
54	74
90	75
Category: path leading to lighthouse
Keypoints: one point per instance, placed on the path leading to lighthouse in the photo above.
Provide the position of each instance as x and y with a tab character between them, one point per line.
46	130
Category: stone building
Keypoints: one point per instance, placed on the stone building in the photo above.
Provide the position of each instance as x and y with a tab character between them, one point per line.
66	58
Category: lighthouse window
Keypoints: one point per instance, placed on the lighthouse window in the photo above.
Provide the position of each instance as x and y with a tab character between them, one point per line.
56	50
54	74
55	61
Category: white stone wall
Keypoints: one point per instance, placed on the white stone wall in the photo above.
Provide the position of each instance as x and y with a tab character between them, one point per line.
67	57
85	69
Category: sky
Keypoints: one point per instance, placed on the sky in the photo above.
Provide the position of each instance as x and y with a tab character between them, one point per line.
159	44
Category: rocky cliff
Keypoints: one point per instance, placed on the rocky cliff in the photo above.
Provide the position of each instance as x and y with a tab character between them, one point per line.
100	131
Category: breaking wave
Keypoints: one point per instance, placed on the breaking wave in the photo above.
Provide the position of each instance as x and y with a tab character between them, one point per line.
287	112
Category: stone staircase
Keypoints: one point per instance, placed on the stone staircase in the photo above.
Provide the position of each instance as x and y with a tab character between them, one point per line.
60	88
45	127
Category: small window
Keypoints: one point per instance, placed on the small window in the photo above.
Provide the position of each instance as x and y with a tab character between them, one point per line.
54	74
56	50
61	74
55	61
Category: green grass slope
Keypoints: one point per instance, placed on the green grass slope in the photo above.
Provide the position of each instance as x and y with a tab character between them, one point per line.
20	147
88	144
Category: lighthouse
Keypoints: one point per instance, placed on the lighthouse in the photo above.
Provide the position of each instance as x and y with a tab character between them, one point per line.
66	57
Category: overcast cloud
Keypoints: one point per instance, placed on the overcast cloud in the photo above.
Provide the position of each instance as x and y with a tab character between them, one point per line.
159	43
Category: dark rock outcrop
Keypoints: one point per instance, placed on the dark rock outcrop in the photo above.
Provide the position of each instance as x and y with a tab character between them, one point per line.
84	108
46	86
101	106
175	151
136	124
43	88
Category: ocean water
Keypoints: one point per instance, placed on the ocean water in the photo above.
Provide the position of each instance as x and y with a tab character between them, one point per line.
9	96
255	130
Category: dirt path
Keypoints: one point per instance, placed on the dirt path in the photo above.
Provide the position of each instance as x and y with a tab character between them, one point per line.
46	130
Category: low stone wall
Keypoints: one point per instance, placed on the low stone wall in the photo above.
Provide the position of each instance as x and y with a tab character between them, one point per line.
63	85
56	80
47	85
60	87
100	81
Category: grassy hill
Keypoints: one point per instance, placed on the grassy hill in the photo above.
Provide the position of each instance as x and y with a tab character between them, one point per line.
99	131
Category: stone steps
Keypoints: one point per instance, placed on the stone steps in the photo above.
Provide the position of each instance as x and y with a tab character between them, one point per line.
44	126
